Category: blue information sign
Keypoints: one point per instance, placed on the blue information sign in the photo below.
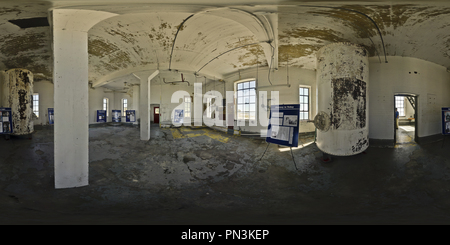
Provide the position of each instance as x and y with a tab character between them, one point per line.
178	116
101	115
446	120
116	116
51	116
131	115
283	125
5	121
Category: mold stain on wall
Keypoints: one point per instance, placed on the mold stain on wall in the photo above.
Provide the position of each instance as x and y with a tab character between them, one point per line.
349	103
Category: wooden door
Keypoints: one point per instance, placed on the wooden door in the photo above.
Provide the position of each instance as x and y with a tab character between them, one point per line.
156	114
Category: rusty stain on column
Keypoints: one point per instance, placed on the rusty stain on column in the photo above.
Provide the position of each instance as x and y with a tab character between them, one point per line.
342	80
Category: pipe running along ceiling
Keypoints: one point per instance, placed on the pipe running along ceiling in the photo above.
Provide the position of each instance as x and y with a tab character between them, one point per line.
220	39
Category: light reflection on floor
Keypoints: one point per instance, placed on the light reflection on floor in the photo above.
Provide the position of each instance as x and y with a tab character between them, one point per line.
405	135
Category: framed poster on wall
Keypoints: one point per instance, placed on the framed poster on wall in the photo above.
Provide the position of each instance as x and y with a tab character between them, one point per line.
5	121
101	115
51	116
445	120
116	116
131	115
283	125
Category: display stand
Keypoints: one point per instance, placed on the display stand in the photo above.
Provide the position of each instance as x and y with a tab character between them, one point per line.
283	126
293	159
101	115
6	127
130	115
51	116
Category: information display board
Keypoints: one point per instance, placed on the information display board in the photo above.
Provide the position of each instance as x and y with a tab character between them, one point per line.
5	121
51	116
283	125
130	115
101	115
178	116
116	116
446	120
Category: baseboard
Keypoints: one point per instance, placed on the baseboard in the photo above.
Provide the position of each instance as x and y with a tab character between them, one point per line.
430	139
381	143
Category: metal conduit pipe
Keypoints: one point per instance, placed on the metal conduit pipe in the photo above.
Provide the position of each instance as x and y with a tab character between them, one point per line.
274	85
206	11
351	10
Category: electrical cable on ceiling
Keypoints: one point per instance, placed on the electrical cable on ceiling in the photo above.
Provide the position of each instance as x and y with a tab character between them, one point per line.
175	38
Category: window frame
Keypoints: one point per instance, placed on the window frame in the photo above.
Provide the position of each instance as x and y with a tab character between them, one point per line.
107	105
36	104
308	102
124	101
400	105
187	107
251	102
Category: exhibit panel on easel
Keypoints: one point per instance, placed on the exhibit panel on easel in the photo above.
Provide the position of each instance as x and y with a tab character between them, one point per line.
130	115
101	115
283	125
51	116
5	121
116	116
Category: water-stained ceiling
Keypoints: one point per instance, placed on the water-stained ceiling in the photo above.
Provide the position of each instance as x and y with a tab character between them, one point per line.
221	38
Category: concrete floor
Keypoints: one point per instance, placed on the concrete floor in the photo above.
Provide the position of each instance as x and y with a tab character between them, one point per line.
202	176
405	134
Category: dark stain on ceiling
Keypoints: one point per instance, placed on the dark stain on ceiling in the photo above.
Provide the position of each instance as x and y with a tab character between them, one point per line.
31	22
217	45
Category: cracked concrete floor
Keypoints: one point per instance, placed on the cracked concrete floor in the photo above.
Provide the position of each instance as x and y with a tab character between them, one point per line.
202	176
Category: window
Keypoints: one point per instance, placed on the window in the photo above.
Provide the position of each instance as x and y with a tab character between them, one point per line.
124	106
105	105
36	104
187	106
304	103
209	103
246	100
400	105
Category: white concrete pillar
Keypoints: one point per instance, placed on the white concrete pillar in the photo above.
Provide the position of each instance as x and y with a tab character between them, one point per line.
71	140
136	102
342	82
144	101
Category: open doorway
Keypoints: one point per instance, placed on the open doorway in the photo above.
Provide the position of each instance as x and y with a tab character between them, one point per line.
405	128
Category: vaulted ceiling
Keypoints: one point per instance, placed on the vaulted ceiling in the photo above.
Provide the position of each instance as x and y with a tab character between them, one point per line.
219	38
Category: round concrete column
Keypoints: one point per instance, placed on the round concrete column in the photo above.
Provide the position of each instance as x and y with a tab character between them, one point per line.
19	97
342	83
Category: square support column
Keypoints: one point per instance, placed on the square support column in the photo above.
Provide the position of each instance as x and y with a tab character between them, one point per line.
144	104
136	101
71	94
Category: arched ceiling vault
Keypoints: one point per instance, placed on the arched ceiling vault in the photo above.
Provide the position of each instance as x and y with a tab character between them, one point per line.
225	37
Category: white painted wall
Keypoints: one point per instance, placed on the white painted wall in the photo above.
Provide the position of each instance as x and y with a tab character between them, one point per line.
161	93
96	103
287	95
431	83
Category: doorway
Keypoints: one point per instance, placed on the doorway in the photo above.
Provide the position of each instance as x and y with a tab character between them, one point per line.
156	114
405	130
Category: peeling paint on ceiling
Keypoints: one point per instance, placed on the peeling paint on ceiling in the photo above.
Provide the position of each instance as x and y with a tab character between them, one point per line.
224	37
